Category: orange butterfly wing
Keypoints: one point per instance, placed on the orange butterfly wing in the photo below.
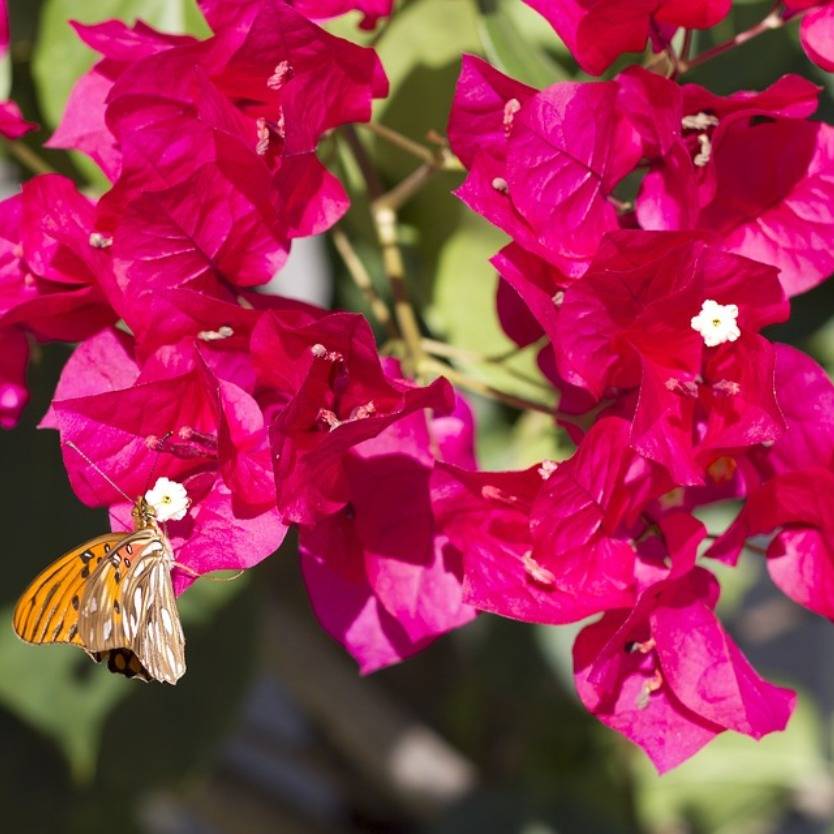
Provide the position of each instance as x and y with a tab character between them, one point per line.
47	611
111	596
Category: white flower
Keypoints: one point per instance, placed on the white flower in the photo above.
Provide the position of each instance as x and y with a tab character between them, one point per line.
169	500
717	323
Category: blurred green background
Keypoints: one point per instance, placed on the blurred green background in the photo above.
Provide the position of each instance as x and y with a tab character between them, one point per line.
272	730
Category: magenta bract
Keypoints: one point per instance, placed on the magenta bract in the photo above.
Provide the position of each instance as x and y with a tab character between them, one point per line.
383	578
597	32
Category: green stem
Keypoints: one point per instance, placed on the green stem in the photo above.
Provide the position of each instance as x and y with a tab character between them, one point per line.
28	158
774	20
440	158
476	386
384	206
445	351
385	221
361	277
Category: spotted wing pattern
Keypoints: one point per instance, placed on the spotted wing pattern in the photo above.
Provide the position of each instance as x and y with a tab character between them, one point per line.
122	662
129	604
48	610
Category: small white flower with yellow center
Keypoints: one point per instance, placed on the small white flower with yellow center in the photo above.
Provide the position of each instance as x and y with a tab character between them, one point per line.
169	500
717	323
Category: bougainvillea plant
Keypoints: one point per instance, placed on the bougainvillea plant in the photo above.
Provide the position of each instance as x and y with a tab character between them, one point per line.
648	254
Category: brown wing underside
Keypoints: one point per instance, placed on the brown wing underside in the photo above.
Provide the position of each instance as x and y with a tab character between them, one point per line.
133	587
122	662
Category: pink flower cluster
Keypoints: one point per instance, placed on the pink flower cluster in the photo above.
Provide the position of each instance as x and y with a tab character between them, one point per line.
273	413
657	229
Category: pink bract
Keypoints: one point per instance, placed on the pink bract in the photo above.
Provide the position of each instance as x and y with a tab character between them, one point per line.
221	13
801	556
236	119
12	123
707	155
182	423
597	32
627	325
806	397
14	354
50	274
552	544
330	393
383	579
816	30
50	278
372	10
669	677
542	162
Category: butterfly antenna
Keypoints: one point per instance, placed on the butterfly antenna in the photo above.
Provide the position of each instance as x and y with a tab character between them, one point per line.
161	441
95	467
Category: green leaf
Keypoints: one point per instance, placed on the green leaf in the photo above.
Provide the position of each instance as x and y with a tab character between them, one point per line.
535	437
173	730
59	691
463	313
200	604
5	76
514	51
427	33
556	644
463	309
735	785
60	58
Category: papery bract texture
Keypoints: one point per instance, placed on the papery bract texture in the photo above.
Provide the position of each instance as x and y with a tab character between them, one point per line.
235	119
709	157
555	543
541	163
629	324
383	578
12	123
816	33
14	354
801	556
331	393
372	10
224	12
597	32
668	676
180	422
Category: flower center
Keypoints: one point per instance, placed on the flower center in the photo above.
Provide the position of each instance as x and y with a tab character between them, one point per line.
282	73
536	571
511	107
222	332
700	126
652	685
100	241
717	323
186	443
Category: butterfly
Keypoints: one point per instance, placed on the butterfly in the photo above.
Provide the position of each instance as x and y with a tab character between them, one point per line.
113	597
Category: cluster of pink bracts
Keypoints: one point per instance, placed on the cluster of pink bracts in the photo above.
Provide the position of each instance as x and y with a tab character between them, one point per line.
274	413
